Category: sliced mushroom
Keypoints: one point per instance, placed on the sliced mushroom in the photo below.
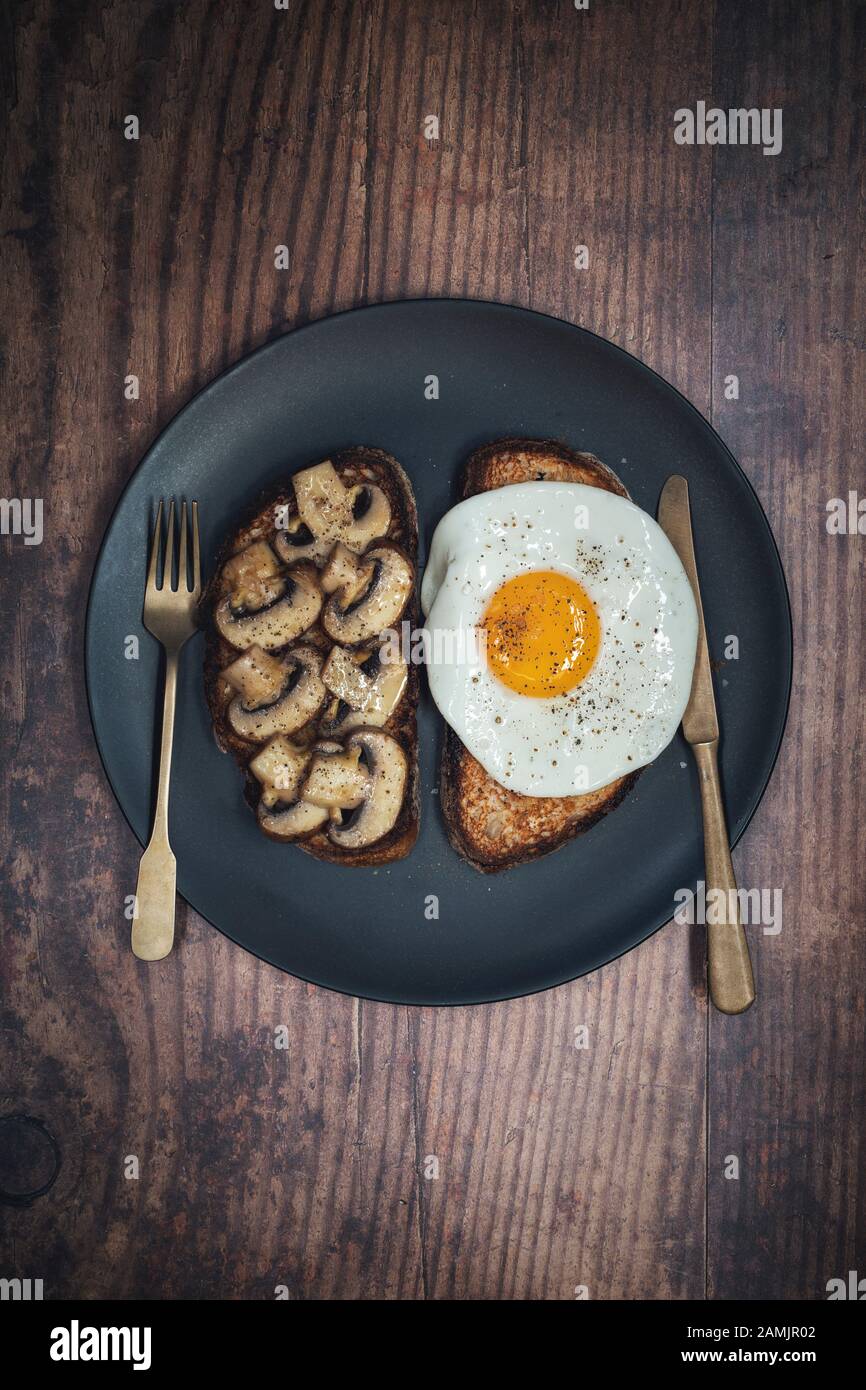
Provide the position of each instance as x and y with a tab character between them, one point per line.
323	500
346	574
298	698
297	542
278	622
387	775
258	676
328	511
328	745
280	768
371	516
381	603
296	821
336	780
253	577
367	688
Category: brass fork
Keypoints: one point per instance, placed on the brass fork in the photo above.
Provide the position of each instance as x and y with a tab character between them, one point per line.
169	615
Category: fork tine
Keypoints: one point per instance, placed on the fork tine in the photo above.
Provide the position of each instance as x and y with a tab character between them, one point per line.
182	580
168	567
196	558
154	549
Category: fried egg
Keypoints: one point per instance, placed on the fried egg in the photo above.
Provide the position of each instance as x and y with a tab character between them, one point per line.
560	635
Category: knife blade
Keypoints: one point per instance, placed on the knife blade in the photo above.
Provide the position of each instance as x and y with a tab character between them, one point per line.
700	721
732	985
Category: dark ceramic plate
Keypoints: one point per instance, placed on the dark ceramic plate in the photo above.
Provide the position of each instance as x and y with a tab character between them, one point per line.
359	378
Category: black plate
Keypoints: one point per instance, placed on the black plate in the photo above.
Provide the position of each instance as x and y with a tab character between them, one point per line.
359	378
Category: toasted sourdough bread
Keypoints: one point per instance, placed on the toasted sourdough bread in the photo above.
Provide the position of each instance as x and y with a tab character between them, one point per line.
491	827
355	466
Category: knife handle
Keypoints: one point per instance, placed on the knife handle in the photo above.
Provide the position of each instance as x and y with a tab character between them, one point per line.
732	986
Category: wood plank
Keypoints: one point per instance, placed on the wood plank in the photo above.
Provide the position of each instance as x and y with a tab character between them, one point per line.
258	1167
558	1168
787	1080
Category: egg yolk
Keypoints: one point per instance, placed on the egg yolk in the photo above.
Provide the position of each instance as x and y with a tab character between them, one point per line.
542	633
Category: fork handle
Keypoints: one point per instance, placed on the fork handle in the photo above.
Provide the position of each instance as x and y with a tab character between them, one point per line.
153	922
732	986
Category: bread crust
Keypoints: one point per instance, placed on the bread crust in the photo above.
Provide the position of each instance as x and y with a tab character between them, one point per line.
514	460
491	827
355	465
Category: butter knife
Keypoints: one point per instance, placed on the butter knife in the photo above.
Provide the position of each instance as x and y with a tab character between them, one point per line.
732	986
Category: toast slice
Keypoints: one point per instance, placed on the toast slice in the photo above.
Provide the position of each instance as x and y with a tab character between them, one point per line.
355	467
491	827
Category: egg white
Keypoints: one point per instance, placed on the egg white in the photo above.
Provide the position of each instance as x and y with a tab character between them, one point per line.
628	707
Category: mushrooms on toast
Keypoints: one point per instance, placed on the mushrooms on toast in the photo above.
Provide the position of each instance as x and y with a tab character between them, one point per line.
299	684
357	788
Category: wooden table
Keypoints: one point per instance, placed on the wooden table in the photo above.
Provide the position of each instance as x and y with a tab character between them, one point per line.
305	1167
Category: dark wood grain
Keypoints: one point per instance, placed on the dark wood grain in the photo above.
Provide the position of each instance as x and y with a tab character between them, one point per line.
306	1166
789	304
